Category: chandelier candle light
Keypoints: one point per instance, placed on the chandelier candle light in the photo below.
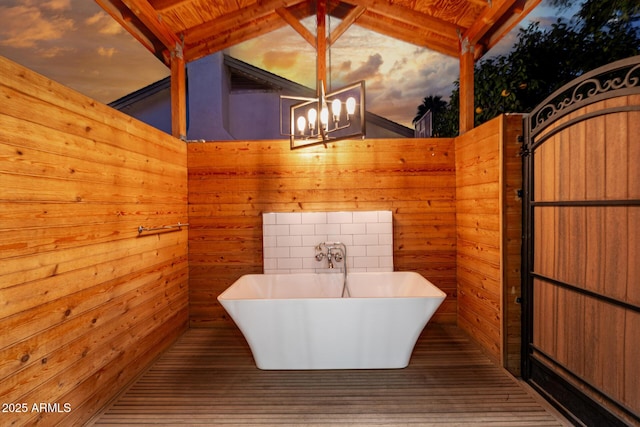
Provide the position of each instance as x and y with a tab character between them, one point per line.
329	117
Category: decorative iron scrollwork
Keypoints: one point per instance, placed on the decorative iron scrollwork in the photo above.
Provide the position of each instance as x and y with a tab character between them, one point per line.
616	79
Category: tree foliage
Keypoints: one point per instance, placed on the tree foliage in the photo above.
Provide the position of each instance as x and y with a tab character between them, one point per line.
437	106
544	59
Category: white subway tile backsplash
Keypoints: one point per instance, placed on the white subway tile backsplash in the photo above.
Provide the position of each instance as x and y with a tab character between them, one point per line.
379	250
269	241
385	239
289	263
366	262
270	264
313	240
385	216
314	218
301	229
386	262
366	216
309	264
275	230
276	252
288	218
283	271
268	218
356	250
282	230
268	230
303	251
366	239
379	228
327	229
290	238
353	228
289	241
347	239
340	217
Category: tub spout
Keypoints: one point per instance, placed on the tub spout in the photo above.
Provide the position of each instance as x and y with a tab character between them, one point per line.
336	251
331	257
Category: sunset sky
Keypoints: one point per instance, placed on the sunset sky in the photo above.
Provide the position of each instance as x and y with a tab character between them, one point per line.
76	43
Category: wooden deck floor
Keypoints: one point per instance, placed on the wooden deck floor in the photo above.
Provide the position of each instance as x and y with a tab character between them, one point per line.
208	378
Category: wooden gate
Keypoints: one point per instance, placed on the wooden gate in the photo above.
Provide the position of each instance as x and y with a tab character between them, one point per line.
581	265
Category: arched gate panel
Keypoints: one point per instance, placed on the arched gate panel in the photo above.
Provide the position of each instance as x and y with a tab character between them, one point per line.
581	253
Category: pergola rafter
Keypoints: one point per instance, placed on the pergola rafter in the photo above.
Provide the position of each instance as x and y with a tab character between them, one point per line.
181	31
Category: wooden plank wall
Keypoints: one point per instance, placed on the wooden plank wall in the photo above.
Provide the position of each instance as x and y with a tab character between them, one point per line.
489	174
85	304
595	248
232	183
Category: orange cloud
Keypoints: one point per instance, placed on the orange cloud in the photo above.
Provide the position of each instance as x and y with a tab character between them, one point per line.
107	52
57	4
280	60
25	26
52	52
104	23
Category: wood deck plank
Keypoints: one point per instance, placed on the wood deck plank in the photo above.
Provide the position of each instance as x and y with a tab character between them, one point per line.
209	378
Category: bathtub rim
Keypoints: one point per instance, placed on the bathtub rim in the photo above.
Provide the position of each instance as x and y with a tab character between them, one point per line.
437	292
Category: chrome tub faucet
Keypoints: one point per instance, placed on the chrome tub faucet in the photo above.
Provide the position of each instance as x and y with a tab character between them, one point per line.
334	251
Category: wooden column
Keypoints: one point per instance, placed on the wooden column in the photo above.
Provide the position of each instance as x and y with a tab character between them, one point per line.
466	87
178	96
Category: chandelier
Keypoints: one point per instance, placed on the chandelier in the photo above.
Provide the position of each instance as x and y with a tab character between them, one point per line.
332	115
329	117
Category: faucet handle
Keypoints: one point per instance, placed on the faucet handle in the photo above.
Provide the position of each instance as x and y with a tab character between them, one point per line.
320	256
337	256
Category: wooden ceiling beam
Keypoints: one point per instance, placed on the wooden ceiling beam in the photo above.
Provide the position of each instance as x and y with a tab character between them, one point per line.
150	18
294	23
347	21
509	21
240	21
411	17
165	5
410	34
130	22
486	20
231	37
142	18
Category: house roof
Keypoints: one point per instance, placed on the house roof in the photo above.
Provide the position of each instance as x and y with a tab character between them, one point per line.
248	72
196	28
245	76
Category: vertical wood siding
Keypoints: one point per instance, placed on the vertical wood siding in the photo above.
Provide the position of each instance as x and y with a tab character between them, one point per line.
488	175
232	183
85	304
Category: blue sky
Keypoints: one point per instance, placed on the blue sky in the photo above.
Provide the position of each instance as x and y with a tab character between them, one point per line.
76	43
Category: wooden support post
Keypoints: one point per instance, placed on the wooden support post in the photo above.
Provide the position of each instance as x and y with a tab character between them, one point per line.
178	95
321	42
467	109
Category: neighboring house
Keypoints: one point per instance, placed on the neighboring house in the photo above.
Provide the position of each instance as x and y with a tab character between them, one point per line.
228	99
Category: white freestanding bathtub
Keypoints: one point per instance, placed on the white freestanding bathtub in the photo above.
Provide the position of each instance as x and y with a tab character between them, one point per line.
299	321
